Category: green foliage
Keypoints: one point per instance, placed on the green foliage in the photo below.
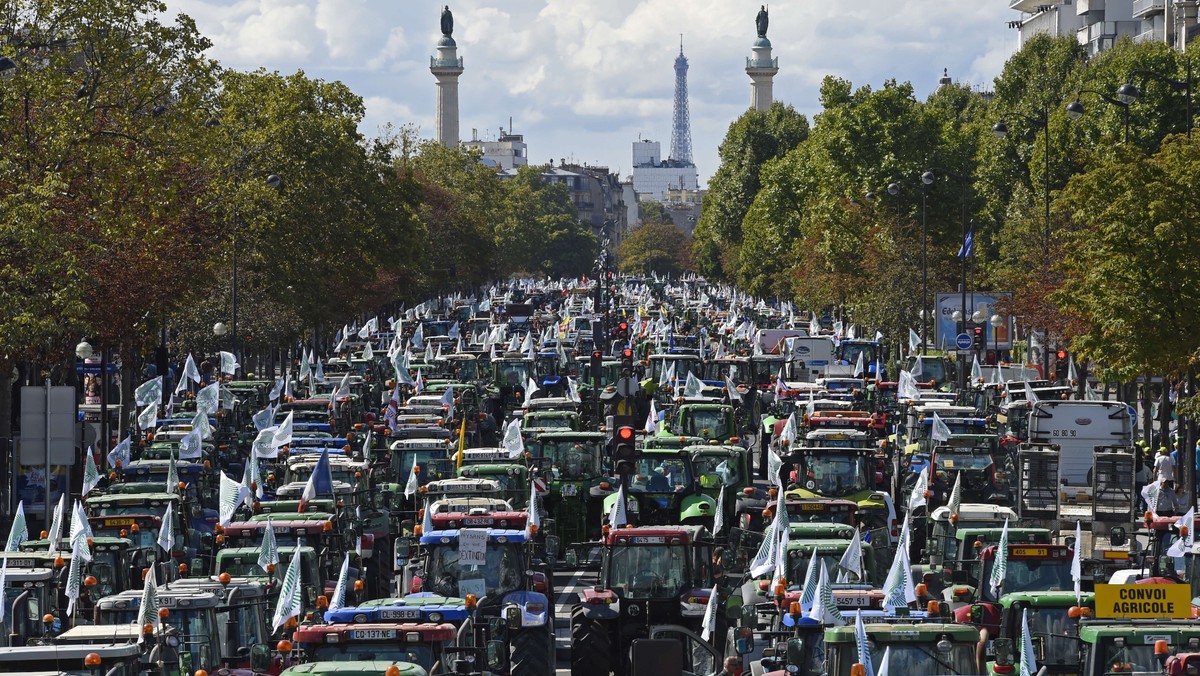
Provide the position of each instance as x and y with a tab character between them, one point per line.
1131	270
752	140
654	212
655	247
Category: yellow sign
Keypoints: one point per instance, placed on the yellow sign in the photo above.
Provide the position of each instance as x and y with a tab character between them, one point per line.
1143	601
1030	551
123	521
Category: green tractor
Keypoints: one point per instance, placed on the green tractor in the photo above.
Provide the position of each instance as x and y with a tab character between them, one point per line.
662	491
570	462
925	648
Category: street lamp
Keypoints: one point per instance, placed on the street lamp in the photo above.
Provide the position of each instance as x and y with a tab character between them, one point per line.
979	315
1129	92
1076	110
220	329
84	350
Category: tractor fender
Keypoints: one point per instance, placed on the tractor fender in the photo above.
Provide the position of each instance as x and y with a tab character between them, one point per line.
697	506
601	611
529	602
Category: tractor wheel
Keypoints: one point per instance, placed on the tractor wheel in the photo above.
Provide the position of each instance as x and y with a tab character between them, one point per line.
590	646
533	651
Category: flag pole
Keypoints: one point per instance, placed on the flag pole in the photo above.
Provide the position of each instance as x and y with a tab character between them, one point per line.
462	442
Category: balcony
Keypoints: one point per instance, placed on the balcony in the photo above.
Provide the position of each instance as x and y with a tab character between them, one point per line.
762	63
1143	9
435	62
1029	6
1152	35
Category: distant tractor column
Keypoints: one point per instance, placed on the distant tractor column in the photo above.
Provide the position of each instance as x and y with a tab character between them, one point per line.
446	67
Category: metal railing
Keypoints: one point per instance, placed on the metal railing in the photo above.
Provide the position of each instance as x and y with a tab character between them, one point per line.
762	63
1142	8
435	62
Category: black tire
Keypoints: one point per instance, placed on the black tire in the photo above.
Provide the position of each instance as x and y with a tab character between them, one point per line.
591	648
533	651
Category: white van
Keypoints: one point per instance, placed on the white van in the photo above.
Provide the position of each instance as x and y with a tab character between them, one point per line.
1078	427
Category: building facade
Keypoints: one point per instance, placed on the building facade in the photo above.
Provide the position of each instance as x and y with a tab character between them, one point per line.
1098	24
653	177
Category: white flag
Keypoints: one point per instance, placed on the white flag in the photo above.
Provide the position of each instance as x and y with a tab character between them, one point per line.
166	530
917	497
1077	564
339	591
283	434
851	561
289	604
229	363
530	388
513	442
914	341
191	446
91	473
413	484
652	420
149	392
940	431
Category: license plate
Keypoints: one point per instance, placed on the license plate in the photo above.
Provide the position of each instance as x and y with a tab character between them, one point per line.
20	563
477	521
110	523
406	614
812	507
372	634
570	490
1030	551
853	600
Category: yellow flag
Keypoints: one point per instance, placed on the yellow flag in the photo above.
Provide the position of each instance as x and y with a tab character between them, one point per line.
462	441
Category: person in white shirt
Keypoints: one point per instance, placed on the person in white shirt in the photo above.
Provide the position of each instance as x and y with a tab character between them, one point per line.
1164	466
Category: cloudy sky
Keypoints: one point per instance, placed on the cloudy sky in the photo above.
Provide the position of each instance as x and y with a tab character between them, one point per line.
584	79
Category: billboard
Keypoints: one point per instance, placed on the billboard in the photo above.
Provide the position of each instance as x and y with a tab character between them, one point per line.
946	329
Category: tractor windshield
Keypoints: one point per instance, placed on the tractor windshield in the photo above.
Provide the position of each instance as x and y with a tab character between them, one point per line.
571	460
916	657
501	575
1055	635
834	474
1023	575
661	475
648	571
1120	655
511	374
706	423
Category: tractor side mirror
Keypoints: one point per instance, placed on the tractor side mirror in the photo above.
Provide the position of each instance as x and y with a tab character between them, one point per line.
1118	536
795	651
403	551
260	658
552	546
497	651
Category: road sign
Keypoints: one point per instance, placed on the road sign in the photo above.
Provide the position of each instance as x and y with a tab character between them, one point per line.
628	387
963	341
1143	601
47	412
539	485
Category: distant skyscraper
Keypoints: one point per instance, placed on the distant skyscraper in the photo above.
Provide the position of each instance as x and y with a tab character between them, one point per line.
681	125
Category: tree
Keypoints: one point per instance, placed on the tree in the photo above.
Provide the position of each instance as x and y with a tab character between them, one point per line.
1131	276
539	229
100	175
655	247
753	139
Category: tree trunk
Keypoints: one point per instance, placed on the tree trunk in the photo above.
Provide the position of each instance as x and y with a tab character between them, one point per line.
1147	422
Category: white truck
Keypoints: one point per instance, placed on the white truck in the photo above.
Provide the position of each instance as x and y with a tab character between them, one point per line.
817	354
1077	428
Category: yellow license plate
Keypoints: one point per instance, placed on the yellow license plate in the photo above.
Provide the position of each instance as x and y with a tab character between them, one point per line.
1030	551
109	523
812	507
1116	554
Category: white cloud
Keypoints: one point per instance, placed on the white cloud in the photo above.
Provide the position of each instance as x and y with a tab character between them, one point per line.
583	78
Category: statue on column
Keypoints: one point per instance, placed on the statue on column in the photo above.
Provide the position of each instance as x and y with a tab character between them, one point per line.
760	22
448	21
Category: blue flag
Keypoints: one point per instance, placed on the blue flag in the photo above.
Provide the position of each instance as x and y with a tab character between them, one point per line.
964	251
319	482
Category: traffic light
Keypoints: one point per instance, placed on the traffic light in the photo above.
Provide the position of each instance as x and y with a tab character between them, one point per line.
978	339
597	367
624	451
627	363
